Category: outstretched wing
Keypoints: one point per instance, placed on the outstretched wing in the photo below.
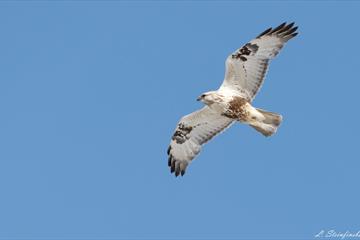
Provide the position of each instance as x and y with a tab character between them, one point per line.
246	68
192	131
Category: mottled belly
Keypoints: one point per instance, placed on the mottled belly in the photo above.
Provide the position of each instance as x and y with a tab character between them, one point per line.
237	109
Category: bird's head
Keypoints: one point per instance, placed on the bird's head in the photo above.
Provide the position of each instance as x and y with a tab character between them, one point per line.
208	97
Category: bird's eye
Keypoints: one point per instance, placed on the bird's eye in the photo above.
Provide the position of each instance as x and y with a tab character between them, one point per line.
202	96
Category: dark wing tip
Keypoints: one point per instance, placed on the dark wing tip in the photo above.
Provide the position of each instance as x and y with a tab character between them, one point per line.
284	30
281	26
169	161
172	165
264	32
176	168
290	31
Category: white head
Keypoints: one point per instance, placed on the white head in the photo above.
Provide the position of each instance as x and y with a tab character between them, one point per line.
209	98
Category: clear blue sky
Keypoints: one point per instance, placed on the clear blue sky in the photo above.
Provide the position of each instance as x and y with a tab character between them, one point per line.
90	94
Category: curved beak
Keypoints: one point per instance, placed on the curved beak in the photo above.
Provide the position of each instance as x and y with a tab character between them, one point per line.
199	98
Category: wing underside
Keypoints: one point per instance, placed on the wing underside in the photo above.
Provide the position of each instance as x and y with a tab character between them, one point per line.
246	67
191	133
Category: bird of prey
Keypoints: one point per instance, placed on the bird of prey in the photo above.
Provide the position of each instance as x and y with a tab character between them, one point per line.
244	75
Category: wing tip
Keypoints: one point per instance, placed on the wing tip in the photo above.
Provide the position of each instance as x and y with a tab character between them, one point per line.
264	32
168	150
278	28
176	166
284	30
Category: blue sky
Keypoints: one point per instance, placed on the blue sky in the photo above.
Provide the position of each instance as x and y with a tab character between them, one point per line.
90	94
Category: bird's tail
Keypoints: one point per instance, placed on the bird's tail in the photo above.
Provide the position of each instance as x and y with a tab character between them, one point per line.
269	124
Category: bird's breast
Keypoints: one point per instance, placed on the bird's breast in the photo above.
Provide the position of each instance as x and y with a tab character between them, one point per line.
237	108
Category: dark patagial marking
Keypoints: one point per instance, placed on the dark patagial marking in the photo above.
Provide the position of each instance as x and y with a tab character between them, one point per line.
236	109
182	133
243	58
245	51
253	47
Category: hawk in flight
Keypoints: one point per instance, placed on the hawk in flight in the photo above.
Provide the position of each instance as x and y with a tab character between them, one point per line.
244	75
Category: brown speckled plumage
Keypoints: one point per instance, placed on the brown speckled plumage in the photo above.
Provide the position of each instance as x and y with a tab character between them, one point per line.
237	109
